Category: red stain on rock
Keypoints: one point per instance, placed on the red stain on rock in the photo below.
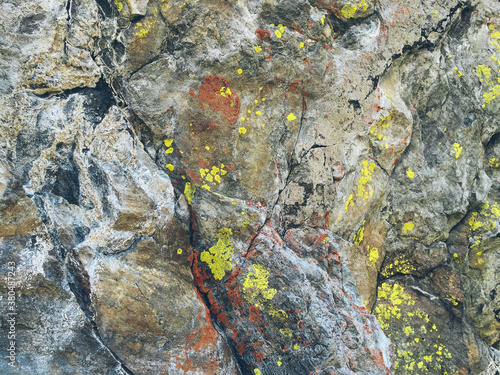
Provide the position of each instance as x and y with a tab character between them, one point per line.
254	315
263	34
205	336
214	93
379	360
233	287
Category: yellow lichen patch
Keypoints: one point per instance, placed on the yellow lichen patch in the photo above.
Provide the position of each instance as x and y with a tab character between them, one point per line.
170	167
257	283
291	117
408	227
348	10
278	314
212	176
459	73
400	265
257	48
279	362
458	149
189	190
218	257
349	200
169	150
179	251
286	332
366	173
378	130
257	371
358	238
410	173
301	45
493	162
168	142
144	28
242	130
484	70
119	5
296	347
373	254
277	33
403	323
240	71
474	223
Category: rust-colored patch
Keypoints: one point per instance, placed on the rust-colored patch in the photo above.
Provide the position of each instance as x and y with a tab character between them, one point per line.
263	34
254	315
233	285
295	84
379	360
214	93
205	336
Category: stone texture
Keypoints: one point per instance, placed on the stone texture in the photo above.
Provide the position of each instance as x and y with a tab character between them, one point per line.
234	187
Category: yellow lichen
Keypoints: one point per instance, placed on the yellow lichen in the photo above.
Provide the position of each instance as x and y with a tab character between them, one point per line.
119	5
257	283
408	227
144	28
257	49
493	162
458	149
212	176
257	371
170	167
358	238
286	332
373	255
242	130
366	173
179	251
189	190
484	70
348	10
398	316
291	117
168	142
348	202
410	173
218	257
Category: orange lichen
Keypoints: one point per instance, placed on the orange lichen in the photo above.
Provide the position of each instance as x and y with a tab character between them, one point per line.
215	94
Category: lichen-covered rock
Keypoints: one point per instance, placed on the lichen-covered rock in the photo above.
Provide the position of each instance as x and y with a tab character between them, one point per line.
233	187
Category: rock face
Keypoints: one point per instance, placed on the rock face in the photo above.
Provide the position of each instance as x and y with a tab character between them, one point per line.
249	187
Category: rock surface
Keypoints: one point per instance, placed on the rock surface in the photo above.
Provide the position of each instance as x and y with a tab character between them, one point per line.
249	187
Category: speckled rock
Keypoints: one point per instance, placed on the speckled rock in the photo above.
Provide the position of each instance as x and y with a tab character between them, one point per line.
234	187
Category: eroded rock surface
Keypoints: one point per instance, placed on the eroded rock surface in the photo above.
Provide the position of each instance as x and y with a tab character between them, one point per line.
250	187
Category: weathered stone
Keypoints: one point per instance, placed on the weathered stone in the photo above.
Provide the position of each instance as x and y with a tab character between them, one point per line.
207	186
